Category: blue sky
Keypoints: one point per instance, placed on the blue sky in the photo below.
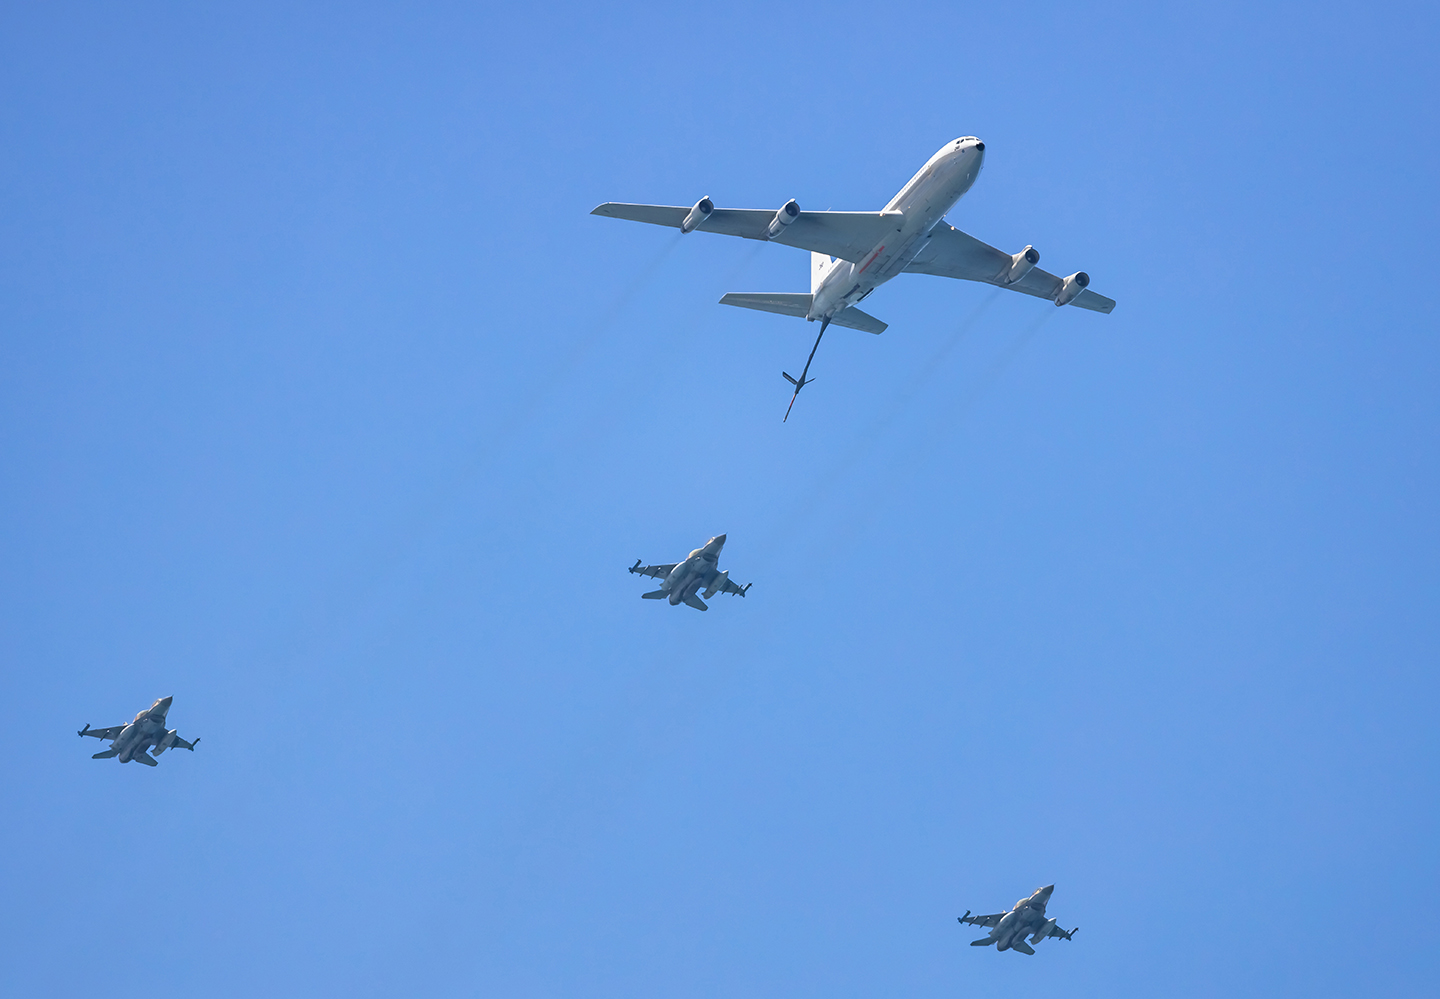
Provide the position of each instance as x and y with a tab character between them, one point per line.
326	407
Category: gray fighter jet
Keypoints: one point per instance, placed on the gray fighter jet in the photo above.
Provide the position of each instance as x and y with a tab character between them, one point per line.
1009	929
129	742
680	580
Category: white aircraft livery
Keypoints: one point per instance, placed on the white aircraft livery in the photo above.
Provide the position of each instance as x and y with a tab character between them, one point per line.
853	253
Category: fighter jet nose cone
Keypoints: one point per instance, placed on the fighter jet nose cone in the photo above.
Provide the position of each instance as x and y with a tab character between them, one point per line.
720	538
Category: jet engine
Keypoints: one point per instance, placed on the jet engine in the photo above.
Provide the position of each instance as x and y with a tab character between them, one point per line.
718	583
1074	285
1021	263
166	741
698	214
789	212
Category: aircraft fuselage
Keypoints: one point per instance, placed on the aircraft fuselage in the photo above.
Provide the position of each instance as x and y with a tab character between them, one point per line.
920	205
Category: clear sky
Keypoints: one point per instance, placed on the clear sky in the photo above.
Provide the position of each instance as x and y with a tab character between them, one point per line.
326	407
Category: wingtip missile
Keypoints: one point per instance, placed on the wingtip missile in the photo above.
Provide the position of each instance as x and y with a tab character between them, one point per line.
84	730
964	917
636	566
746	589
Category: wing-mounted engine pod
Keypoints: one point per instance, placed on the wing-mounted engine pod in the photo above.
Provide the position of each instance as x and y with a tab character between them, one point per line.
1020	264
1071	289
698	214
788	213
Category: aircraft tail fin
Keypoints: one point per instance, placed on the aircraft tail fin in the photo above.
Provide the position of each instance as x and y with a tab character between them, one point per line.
106	754
654	595
819	266
696	602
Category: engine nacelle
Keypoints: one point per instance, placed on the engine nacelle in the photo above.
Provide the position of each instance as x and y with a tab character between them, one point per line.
718	583
1073	286
1021	263
698	214
789	212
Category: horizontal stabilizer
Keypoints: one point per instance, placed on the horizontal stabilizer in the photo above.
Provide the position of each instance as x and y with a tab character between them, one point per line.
982	942
1023	947
654	595
798	305
146	758
696	602
783	303
106	755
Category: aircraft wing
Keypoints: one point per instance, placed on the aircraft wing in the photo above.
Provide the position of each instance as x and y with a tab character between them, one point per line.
955	254
658	571
102	733
991	920
731	587
848	235
1056	931
180	743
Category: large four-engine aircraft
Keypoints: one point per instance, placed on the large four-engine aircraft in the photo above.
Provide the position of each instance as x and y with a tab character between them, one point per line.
853	253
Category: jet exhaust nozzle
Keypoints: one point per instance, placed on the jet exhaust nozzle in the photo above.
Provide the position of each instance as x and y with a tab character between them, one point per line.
702	210
1073	286
1021	263
789	212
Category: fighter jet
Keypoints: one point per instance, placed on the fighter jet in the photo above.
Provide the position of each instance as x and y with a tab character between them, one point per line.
1009	929
130	742
680	580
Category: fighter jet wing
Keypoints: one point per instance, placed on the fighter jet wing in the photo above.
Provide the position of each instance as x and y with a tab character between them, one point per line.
955	254
658	571
1056	931
848	235
991	920
180	743
731	587
102	733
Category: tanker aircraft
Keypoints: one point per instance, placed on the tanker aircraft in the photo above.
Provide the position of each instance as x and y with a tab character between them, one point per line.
1009	929
680	580
853	253
131	741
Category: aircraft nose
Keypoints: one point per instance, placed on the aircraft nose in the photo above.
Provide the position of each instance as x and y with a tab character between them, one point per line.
720	538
